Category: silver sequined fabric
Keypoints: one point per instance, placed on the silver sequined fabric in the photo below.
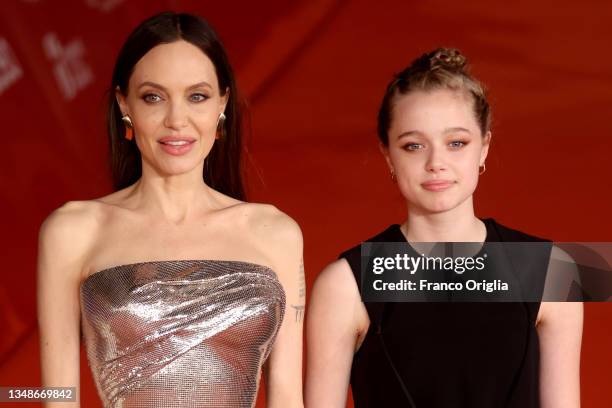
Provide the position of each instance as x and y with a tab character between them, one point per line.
180	333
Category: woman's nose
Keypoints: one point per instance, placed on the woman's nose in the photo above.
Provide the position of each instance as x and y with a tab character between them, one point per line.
176	116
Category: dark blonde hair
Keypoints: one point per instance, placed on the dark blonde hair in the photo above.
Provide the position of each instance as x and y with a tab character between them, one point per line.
443	68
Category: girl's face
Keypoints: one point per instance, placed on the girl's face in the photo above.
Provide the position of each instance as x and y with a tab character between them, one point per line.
174	102
435	149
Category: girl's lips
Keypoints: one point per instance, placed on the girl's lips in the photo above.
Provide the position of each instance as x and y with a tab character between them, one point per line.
177	147
437	185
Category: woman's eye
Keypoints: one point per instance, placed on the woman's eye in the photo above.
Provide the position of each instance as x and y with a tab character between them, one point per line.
457	144
413	146
198	97
151	98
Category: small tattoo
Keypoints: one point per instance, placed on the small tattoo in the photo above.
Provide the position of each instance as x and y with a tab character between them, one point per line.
302	279
299	312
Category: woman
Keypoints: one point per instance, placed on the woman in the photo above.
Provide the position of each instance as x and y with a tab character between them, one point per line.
180	285
434	130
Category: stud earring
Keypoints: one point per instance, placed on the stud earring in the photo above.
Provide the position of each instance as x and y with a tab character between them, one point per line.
129	127
393	177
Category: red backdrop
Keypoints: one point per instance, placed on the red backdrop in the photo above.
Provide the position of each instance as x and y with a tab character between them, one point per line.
313	73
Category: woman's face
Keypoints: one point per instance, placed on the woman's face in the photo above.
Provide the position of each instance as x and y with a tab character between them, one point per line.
174	102
435	149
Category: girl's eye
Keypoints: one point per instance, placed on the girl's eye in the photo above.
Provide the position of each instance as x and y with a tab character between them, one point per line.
457	144
151	98
198	97
413	146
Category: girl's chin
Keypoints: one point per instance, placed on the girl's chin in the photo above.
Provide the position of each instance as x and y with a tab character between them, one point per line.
438	209
438	206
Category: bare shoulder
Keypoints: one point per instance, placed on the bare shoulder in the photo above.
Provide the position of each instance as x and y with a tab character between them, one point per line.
275	223
68	232
335	289
264	220
276	235
337	278
82	219
271	226
71	218
281	237
336	284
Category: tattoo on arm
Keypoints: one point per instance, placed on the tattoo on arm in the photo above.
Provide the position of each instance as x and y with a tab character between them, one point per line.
299	309
299	313
302	281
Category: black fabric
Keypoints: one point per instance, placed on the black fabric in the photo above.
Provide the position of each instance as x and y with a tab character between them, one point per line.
459	355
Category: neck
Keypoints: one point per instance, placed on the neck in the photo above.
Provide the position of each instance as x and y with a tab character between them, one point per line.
174	198
456	225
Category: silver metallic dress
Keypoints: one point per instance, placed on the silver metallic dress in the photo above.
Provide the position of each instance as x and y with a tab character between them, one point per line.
180	333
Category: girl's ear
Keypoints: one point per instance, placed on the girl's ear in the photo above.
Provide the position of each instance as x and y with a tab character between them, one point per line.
385	152
486	142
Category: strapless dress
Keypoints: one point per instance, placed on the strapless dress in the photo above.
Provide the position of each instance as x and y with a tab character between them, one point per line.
189	333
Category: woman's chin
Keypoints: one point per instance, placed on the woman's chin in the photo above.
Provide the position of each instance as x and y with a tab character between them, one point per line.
178	169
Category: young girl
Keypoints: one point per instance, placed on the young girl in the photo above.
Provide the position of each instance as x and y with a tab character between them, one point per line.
434	130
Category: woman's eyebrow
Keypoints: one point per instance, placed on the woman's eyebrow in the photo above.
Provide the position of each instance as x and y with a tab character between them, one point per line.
161	87
201	84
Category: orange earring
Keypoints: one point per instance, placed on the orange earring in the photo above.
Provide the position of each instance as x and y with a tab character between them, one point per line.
129	127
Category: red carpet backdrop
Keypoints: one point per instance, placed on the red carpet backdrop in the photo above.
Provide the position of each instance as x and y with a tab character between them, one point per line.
313	73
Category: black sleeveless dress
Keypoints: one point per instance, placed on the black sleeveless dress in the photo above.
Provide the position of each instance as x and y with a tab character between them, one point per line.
443	355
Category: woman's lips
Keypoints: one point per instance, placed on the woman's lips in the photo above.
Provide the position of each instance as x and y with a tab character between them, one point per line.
176	146
437	185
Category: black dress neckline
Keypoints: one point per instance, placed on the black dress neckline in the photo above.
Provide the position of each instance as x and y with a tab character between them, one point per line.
490	236
395	234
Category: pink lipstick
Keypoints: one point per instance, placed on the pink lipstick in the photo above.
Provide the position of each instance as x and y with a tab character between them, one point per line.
176	145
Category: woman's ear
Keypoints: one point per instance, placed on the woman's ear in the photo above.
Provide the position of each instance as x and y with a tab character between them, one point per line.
121	101
224	99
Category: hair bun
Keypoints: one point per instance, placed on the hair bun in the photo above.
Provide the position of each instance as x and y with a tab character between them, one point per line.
448	58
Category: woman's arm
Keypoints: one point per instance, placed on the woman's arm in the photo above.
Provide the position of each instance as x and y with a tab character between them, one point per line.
59	270
283	369
560	331
336	317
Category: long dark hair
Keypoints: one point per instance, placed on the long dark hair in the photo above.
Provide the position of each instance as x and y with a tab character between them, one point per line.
222	167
